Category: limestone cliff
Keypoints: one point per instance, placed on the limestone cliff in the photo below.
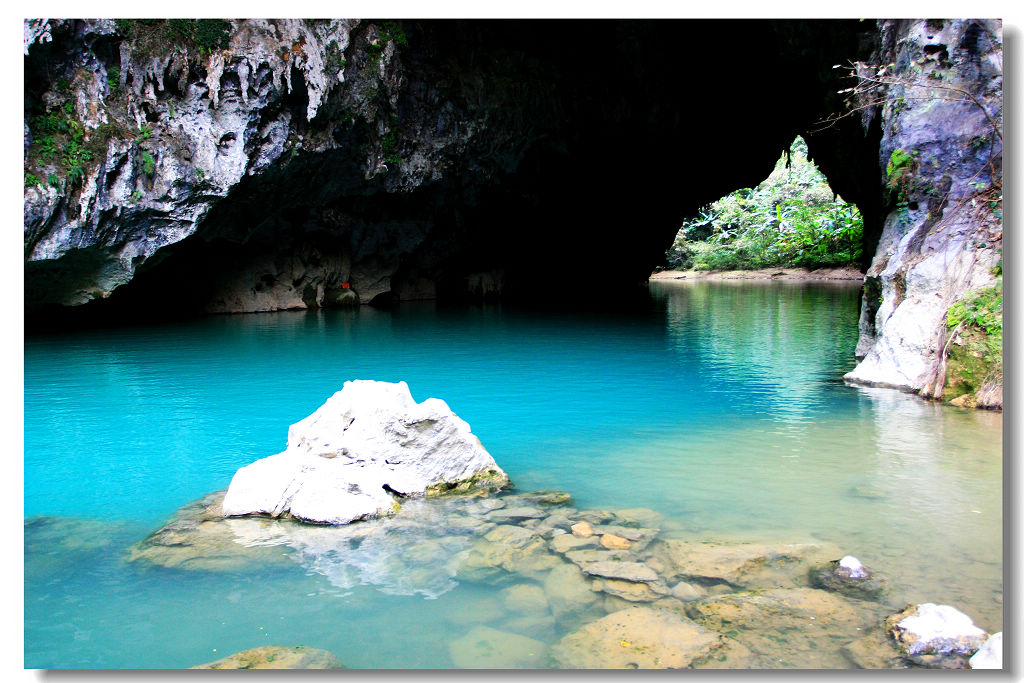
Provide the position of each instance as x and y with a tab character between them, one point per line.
144	132
937	87
251	165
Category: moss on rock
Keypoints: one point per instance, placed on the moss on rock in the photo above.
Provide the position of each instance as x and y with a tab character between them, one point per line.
486	480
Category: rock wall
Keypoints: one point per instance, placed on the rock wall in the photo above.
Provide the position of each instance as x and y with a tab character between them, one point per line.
936	87
457	159
174	132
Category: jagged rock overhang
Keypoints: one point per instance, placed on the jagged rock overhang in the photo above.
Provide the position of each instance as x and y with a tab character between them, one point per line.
595	138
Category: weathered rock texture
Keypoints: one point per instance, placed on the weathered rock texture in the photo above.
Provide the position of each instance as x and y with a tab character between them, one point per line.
930	629
277	657
367	446
936	88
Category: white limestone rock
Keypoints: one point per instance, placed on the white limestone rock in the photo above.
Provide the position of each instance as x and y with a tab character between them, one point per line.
930	629
990	656
369	441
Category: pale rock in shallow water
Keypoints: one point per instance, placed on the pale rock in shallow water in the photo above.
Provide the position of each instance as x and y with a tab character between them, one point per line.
367	442
277	657
750	565
853	566
849	577
568	591
930	629
990	656
525	598
582	529
626	571
488	648
796	627
637	638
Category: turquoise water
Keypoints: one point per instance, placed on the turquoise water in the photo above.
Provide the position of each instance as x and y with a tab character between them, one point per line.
720	406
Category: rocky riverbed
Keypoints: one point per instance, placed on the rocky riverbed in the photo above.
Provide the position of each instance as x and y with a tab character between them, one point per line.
577	587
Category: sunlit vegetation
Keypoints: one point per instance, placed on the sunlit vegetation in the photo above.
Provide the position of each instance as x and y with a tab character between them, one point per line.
793	218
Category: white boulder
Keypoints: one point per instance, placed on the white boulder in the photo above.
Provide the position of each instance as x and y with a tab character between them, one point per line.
368	442
930	629
854	567
990	656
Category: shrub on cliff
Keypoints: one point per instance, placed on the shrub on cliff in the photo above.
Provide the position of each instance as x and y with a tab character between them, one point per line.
791	219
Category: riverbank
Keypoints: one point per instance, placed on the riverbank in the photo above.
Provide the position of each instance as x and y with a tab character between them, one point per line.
761	274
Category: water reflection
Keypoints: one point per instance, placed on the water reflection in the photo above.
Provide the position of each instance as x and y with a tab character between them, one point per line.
780	339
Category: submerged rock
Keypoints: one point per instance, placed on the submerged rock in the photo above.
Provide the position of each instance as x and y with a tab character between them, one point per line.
568	591
876	650
626	571
749	565
277	657
639	517
545	498
631	590
504	550
582	529
637	638
933	635
613	542
488	648
849	577
198	537
797	627
687	592
349	459
525	598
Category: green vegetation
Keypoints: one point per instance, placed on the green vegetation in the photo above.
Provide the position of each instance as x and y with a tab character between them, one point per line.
148	163
161	36
975	351
982	309
389	31
56	134
389	145
31	180
114	80
898	172
791	219
334	57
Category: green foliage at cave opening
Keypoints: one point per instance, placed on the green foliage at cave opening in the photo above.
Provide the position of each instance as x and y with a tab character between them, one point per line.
792	219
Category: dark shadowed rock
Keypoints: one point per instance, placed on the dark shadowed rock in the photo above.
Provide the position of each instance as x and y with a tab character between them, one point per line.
849	577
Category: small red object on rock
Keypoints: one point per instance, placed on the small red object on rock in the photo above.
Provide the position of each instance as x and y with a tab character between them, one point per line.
344	285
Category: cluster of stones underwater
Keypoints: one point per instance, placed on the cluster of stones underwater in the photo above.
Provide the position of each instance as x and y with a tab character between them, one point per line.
579	588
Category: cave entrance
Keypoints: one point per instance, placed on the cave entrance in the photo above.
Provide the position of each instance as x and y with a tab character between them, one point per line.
792	219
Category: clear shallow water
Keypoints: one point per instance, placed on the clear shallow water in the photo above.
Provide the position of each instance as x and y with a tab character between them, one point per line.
720	407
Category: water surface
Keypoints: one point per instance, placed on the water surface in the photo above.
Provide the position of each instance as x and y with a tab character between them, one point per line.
720	406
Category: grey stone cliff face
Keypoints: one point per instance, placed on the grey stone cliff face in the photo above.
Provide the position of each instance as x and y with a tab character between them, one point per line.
185	129
940	88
